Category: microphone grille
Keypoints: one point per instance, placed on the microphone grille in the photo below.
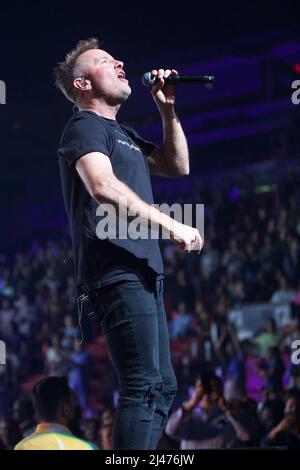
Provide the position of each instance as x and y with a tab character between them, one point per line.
148	79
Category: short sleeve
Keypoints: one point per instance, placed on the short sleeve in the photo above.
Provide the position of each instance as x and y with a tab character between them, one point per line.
84	134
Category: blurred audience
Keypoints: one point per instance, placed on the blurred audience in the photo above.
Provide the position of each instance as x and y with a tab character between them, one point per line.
251	256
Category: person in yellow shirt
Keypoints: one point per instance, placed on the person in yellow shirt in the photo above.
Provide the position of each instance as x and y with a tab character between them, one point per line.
54	402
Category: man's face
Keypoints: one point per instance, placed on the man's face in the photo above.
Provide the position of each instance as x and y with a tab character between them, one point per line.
106	76
199	388
106	437
3	430
67	408
290	406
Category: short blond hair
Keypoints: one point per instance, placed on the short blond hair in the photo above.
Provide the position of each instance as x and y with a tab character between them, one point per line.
66	71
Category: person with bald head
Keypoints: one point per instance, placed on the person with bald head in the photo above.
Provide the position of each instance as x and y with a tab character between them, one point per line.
105	172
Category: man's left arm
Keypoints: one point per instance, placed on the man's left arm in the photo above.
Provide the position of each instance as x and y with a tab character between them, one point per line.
172	160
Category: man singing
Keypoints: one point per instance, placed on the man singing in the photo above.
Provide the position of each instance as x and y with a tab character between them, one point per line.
104	162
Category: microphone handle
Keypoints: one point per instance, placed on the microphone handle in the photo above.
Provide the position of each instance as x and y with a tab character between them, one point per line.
190	79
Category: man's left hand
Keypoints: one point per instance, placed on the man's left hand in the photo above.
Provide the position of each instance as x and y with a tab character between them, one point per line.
164	94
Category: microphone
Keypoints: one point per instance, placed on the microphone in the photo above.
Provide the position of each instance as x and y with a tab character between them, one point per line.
149	80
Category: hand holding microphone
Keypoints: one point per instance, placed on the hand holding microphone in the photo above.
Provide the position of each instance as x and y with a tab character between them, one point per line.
164	96
163	83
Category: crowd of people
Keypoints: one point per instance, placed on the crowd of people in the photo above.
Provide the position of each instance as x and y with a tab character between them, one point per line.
251	255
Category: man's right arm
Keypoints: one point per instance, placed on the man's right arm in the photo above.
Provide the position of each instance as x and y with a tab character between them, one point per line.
97	175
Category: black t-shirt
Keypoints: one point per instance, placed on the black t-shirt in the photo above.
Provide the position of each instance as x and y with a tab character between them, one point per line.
98	262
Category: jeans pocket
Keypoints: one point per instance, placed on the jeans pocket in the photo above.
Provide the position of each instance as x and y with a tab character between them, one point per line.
136	299
109	309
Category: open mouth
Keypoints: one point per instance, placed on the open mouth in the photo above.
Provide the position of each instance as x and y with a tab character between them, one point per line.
122	75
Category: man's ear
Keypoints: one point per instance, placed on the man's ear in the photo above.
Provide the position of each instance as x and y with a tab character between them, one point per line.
67	410
82	84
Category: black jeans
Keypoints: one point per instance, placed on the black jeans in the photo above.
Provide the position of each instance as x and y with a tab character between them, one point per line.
133	319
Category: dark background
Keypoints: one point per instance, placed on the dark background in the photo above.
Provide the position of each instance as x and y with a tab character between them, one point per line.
36	35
